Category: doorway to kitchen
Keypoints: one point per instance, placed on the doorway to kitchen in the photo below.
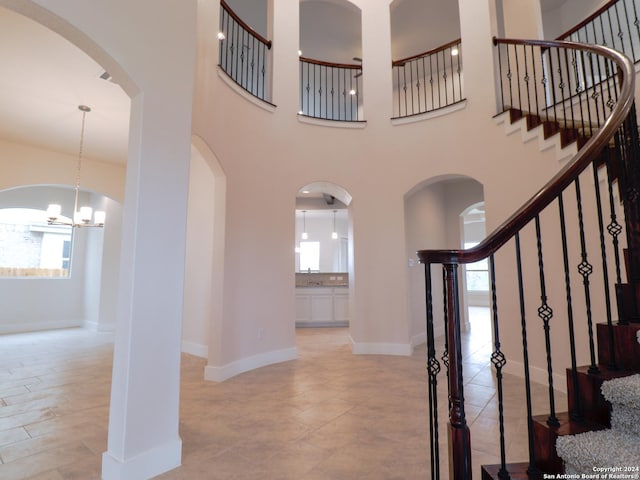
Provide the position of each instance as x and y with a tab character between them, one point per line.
323	260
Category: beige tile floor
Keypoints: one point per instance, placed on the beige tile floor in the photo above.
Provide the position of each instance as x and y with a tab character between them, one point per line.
328	415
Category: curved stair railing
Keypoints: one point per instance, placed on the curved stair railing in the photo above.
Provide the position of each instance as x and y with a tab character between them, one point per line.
551	266
616	24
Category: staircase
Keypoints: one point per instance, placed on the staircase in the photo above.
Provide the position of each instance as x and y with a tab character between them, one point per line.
602	424
585	111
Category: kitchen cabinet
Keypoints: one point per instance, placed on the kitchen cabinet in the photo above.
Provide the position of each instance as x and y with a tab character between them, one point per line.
322	306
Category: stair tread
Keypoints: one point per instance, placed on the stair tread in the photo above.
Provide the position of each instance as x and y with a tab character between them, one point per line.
517	471
567	426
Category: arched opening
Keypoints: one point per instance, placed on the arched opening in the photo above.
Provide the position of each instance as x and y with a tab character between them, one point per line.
323	256
432	219
475	276
204	263
331	60
426	56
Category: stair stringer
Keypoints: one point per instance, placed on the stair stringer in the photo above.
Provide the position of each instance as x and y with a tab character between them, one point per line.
544	144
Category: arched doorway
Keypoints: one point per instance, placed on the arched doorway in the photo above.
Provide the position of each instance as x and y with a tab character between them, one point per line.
323	256
432	220
148	320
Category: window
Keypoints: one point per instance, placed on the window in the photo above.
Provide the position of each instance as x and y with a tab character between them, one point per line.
309	256
477	274
30	247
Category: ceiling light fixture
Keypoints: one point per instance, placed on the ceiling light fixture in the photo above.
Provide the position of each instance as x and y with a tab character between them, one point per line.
305	235
82	217
334	234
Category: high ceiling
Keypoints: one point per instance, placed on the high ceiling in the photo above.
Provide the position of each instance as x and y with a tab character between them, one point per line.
44	77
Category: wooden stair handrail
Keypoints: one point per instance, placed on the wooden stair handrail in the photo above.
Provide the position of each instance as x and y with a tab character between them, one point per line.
402	61
503	233
348	66
588	20
244	25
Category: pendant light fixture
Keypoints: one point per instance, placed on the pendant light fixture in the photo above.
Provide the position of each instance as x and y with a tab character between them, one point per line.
304	225
82	217
334	234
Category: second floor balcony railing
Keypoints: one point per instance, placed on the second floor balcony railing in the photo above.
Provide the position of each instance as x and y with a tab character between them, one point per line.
615	25
330	91
428	81
244	54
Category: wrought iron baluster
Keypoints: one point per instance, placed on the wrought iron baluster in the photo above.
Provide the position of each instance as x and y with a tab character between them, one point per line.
605	263
636	23
459	70
411	64
533	469
545	312
517	60
499	361
433	369
631	54
404	89
444	78
424	83
576	414
586	269
526	79
501	75
431	80
445	353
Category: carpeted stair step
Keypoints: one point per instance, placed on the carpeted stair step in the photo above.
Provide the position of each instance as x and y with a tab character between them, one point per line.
603	448
545	436
624	396
588	402
618	446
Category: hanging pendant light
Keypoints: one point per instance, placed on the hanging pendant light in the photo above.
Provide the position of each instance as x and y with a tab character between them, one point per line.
334	234
304	225
82	217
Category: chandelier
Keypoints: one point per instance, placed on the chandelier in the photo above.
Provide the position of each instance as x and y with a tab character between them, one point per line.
81	217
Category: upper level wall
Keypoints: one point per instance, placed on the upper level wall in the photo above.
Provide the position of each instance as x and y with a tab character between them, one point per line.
268	155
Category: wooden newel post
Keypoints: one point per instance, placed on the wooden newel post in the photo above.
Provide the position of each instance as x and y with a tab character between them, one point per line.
459	437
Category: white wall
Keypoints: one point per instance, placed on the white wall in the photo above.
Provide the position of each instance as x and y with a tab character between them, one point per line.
571	12
143	424
198	284
61	302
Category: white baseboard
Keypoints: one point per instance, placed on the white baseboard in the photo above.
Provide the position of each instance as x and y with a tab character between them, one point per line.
537	374
24	327
195	349
220	374
144	466
100	327
361	348
419	339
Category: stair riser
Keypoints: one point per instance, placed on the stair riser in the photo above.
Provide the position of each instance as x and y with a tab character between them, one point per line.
626	346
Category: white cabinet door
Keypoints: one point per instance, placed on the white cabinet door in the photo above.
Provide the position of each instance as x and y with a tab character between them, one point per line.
303	308
322	308
341	306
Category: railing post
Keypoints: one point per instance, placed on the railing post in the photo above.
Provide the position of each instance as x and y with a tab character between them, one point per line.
459	437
